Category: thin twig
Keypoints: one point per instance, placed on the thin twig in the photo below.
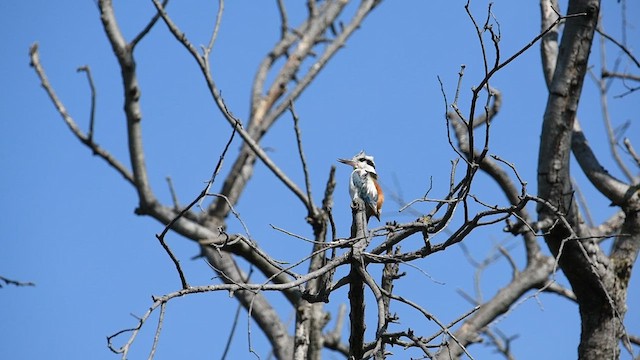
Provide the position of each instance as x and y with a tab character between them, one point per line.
311	208
218	167
604	105
15	282
232	331
105	155
382	314
92	87
621	46
182	213
216	27
174	259
172	191
429	316
608	74
284	23
632	151
235	214
582	200
147	28
156	337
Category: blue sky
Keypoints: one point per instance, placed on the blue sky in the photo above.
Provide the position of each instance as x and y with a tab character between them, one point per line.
68	218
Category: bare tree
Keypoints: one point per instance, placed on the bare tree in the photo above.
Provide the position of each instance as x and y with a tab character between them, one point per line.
598	279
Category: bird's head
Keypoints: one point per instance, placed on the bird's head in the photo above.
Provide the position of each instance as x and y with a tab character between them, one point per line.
361	161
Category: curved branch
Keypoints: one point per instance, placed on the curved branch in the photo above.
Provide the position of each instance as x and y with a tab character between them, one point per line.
537	272
75	129
243	167
614	189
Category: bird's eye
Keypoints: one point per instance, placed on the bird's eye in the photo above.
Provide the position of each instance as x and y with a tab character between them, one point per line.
367	161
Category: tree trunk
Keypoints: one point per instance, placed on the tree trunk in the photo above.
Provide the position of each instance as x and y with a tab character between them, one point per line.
588	270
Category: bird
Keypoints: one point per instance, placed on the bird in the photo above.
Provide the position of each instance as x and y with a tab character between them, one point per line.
363	183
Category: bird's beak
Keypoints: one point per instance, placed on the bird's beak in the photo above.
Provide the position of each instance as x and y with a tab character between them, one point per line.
347	162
